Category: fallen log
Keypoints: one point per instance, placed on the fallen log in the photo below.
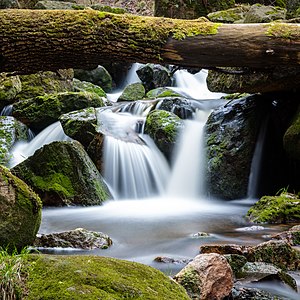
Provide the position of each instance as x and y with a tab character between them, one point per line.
34	40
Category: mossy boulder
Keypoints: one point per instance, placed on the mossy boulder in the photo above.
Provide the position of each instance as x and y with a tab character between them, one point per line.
230	139
132	92
275	209
236	262
154	76
11	130
63	174
85	86
264	14
291	138
10	86
162	92
45	83
94	277
41	111
20	212
47	4
232	15
163	127
98	76
292	236
80	125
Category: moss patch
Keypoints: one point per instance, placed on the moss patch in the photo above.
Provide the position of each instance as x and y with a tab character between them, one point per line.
283	30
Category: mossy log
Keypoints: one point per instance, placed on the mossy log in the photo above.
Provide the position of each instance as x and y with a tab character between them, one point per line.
33	40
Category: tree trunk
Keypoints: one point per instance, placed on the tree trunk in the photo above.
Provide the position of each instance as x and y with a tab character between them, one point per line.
33	40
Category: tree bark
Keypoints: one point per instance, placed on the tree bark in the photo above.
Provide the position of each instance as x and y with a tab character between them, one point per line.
33	40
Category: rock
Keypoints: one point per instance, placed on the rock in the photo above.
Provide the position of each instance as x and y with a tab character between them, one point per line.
208	276
132	92
291	138
79	238
230	139
63	174
20	212
278	253
94	277
41	111
225	249
47	4
236	262
163	127
200	235
231	15
80	125
41	83
292	236
264	14
98	76
10	86
154	76
84	86
275	209
171	260
11	130
162	92
95	151
181	107
9	4
110	9
260	271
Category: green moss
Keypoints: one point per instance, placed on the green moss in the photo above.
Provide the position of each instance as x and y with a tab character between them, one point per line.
88	277
275	209
283	30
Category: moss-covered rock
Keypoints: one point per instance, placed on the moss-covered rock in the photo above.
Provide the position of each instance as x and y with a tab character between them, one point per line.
63	174
132	92
45	83
232	15
275	209
163	127
11	130
85	86
264	14
20	212
10	86
41	111
236	262
292	236
80	125
162	92
94	277
98	76
47	4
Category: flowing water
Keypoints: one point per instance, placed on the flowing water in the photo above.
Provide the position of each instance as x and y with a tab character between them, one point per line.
159	210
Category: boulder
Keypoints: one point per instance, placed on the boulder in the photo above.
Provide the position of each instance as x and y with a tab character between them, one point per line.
208	276
84	86
154	76
80	277
283	208
98	76
236	262
10	86
47	4
163	127
264	14
132	92
292	236
230	138
11	130
162	92
9	4
78	238
41	83
231	15
63	174
41	111
225	249
20	212
80	125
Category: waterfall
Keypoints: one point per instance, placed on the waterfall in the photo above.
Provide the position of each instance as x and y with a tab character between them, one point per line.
187	179
22	150
256	161
7	110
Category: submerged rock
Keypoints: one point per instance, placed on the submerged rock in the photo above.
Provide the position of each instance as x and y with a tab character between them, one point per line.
63	174
95	277
208	276
79	238
275	209
41	111
20	212
132	92
163	127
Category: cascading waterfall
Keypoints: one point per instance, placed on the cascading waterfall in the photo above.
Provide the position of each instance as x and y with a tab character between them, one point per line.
7	110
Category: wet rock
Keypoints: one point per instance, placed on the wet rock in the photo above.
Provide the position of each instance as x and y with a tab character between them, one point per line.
98	76
278	253
80	125
236	262
9	4
20	212
200	235
163	127
231	133
292	236
84	86
225	249
63	174
171	260
10	86
208	276
264	14
79	238
41	111
275	209
154	76
162	92
260	271
132	92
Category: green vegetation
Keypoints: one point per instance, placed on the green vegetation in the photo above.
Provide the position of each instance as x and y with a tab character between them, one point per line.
282	30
